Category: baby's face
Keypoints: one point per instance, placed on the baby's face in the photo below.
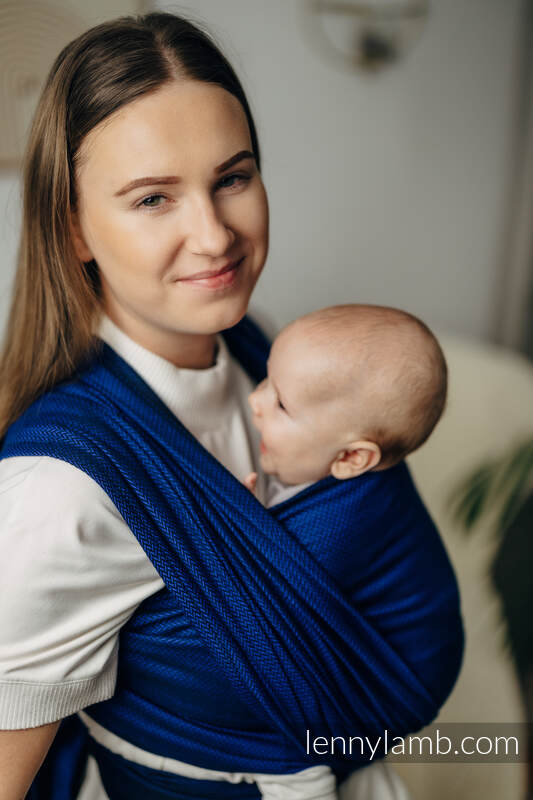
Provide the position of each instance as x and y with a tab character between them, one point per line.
300	434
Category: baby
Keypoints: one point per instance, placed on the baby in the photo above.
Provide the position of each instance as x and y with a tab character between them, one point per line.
350	389
353	389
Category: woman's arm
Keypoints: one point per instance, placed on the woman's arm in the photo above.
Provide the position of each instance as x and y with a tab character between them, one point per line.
21	755
62	534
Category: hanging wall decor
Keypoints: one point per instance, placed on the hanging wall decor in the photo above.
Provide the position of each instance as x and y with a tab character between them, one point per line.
32	33
363	36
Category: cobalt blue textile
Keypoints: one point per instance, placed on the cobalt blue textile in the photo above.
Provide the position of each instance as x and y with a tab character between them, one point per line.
124	780
335	612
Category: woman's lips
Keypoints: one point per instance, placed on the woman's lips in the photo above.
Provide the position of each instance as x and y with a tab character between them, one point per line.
214	280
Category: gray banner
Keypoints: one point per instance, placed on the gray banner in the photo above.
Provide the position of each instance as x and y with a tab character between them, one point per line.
472	742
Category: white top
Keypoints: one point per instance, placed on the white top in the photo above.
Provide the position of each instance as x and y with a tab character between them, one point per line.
278	492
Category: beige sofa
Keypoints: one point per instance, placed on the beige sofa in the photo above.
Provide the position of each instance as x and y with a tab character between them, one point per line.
490	407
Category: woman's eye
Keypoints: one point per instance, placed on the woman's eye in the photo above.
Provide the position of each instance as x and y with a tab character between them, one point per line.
227	182
152	201
280	405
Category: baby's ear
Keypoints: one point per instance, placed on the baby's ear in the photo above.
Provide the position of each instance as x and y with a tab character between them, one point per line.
358	457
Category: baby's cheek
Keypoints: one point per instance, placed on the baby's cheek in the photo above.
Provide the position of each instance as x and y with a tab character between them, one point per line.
286	442
270	434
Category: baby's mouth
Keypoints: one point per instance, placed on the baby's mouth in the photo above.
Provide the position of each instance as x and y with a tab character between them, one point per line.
262	447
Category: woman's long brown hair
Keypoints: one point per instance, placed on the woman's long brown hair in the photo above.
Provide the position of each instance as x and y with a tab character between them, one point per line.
55	303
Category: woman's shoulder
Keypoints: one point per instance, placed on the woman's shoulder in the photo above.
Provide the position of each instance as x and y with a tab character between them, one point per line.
53	485
72	574
49	505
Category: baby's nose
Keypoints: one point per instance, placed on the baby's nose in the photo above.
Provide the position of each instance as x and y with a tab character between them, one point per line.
254	403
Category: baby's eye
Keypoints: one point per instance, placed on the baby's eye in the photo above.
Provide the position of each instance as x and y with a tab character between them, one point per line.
280	404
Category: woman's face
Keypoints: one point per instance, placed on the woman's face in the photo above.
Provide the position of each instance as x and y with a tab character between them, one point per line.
180	235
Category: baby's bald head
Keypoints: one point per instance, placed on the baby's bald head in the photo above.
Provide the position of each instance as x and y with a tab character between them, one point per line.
381	368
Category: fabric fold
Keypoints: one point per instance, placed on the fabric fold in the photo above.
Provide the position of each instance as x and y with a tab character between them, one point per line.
300	615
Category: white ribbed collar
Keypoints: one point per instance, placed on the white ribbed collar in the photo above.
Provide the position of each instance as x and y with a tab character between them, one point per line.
201	398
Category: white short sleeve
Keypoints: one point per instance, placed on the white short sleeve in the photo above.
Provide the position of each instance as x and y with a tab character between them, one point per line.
72	573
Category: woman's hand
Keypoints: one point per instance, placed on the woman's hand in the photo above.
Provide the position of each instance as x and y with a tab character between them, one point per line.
21	754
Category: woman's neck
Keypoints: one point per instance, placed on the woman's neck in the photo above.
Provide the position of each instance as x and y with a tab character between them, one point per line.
185	350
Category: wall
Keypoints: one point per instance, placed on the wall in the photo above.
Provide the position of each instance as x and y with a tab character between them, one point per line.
387	188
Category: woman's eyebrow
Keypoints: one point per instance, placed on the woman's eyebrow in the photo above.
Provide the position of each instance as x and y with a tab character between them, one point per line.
240	156
160	180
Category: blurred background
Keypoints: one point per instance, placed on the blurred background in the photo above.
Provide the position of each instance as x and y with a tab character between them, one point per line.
397	152
399	184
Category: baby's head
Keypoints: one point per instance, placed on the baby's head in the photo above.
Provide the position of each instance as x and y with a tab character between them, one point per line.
350	389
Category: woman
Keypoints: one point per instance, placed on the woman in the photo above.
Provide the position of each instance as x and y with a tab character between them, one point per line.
145	226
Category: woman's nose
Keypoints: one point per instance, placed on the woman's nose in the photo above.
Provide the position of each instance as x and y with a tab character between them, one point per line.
209	235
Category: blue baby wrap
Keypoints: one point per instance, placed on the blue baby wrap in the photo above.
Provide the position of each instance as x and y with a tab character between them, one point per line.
335	612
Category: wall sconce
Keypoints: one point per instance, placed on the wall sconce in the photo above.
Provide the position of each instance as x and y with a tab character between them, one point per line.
363	36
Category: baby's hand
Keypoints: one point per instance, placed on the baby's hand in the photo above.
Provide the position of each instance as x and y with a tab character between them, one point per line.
250	481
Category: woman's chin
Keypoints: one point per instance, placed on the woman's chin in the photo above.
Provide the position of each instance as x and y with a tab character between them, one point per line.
234	305
235	318
229	314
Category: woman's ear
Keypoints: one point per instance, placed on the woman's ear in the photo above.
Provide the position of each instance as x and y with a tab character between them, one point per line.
80	246
358	457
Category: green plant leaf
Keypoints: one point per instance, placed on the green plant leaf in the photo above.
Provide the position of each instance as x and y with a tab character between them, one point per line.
469	498
504	482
